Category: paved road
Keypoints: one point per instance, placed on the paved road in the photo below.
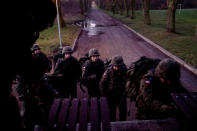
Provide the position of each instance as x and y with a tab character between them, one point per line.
111	38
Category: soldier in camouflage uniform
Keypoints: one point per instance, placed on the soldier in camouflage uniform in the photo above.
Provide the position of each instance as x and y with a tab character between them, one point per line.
32	93
92	72
70	70
41	63
113	85
154	100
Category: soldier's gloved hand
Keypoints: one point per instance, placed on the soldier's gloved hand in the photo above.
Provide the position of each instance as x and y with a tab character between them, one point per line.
166	108
92	76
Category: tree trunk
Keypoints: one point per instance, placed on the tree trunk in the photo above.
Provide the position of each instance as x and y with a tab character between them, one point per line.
146	6
196	33
89	4
132	9
127	6
61	16
62	23
113	7
101	4
81	6
171	15
121	7
116	6
85	6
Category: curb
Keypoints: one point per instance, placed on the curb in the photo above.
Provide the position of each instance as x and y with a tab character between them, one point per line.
76	40
181	62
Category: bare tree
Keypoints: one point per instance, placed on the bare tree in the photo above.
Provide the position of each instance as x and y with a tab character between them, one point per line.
127	6
146	6
195	36
116	6
121	6
85	5
62	23
81	6
171	15
101	4
132	9
89	4
113	7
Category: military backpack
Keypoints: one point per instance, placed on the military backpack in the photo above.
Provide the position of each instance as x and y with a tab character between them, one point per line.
135	72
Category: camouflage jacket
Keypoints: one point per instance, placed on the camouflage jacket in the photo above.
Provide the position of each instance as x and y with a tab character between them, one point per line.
154	100
70	69
41	65
92	73
113	83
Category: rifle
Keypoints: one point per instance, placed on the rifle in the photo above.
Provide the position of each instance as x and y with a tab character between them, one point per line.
80	85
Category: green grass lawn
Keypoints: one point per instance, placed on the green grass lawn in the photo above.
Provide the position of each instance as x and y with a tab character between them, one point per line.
181	43
49	38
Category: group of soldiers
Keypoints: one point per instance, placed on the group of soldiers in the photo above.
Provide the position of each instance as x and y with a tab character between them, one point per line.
111	79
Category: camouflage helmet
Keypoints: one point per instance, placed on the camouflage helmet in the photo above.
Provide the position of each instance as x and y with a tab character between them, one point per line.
35	47
117	61
67	50
93	52
168	69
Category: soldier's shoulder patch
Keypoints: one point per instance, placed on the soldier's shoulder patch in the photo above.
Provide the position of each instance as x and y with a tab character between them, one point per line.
105	74
83	68
147	82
